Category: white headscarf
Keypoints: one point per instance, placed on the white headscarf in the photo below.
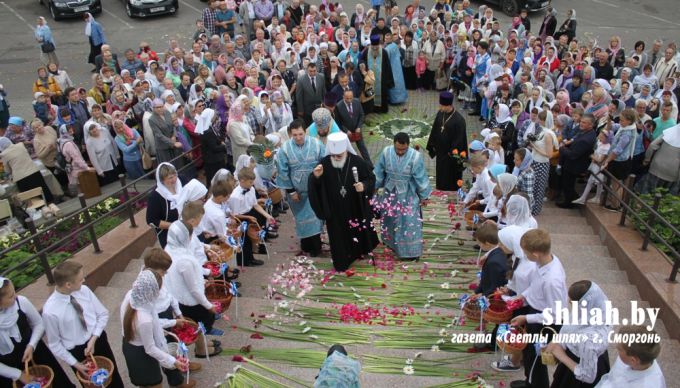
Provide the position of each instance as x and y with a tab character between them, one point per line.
204	121
242	162
539	102
595	299
221	175
144	291
503	114
8	325
518	212
672	136
88	25
193	191
549	122
163	190
506	182
178	240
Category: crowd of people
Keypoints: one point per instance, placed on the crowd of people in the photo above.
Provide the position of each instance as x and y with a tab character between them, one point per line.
296	81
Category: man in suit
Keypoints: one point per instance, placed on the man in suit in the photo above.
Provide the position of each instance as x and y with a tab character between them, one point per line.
246	12
107	56
309	92
350	118
575	158
343	85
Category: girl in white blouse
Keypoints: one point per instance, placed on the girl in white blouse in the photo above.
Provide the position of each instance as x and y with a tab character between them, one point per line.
144	344
21	330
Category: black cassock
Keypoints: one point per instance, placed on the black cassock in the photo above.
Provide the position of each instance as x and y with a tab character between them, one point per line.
348	241
441	144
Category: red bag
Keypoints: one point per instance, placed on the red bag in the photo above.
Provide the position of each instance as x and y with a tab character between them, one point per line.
354	136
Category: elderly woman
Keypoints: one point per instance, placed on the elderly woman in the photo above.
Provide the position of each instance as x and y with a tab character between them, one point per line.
281	112
240	133
102	152
100	91
164	134
67	146
47	85
25	174
129	143
213	147
43	34
162	208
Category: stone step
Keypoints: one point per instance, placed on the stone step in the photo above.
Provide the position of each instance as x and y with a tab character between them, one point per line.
568	239
562	220
613	276
566	228
123	280
588	263
111	298
580	251
549	211
135	265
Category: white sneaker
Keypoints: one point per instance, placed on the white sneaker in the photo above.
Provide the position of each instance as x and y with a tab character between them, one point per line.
579	201
504	366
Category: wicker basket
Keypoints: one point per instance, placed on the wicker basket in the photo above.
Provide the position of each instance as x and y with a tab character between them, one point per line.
254	233
234	227
511	347
224	252
37	371
218	291
472	310
275	195
191	323
470	214
547	358
102	363
497	312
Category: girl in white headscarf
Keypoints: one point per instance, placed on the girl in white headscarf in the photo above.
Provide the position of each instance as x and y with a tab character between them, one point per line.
144	344
186	283
583	362
518	212
507	184
21	330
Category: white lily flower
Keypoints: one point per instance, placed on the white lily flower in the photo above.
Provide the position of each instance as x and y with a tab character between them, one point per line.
409	361
306	330
441	341
417	355
408	370
435	348
445	285
442	333
302	323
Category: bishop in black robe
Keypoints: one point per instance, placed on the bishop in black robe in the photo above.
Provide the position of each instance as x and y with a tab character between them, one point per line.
448	134
349	217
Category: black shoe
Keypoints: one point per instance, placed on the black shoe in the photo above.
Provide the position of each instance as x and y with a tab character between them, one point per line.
519	384
235	271
482	119
254	263
476	246
261	249
565	205
272	235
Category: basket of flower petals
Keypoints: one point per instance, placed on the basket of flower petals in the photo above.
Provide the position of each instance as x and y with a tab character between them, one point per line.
511	342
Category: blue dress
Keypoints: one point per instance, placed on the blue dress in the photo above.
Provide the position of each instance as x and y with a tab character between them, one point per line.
397	94
295	164
405	184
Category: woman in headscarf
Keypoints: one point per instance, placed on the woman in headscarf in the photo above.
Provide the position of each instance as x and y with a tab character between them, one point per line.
60	76
103	153
100	91
174	71
233	84
21	332
239	131
95	34
543	146
213	147
186	283
275	84
549	23
144	345
162	205
43	34
535	100
117	103
25	174
507	185
599	105
562	101
74	159
48	85
281	112
129	143
565	77
663	158
165	136
503	120
647	77
617	56
582	363
524	173
615	109
567	28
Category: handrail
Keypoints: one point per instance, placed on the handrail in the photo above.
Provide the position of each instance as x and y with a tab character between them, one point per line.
632	205
86	226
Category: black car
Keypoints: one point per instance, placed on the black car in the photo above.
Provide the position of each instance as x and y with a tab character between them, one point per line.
512	7
144	8
60	9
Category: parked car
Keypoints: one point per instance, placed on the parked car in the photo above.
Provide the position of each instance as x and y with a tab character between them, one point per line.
144	8
512	7
60	9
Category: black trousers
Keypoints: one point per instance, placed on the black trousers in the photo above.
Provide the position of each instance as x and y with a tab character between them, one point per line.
144	370
101	348
568	185
311	245
535	372
35	180
199	314
427	79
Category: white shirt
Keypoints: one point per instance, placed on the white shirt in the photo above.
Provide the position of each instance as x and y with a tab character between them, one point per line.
546	137
214	220
37	331
622	376
62	325
144	335
483	185
496	157
546	289
163	302
241	203
185	281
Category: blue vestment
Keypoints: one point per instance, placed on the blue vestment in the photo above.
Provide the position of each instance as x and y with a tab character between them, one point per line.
397	94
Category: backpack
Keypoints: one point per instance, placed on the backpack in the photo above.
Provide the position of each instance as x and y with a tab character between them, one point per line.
62	164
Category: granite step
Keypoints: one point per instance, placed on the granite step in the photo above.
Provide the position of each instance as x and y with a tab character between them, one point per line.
583	251
135	265
572	229
588	263
571	240
603	277
123	280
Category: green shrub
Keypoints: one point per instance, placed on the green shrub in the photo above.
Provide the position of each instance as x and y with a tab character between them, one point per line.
669	208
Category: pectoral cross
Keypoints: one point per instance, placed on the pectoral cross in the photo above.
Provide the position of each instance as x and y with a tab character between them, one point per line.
343	192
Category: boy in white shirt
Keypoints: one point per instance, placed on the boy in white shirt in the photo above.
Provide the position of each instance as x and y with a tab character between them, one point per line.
483	185
543	293
214	223
497	154
636	365
75	321
243	204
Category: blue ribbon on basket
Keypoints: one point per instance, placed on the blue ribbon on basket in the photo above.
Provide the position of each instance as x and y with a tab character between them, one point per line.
231	241
475	218
483	303
244	230
461	193
463	299
268	202
33	384
233	288
99	377
479	274
262	235
201	328
182	349
223	268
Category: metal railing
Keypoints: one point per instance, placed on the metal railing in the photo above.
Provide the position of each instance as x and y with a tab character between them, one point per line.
645	216
84	221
